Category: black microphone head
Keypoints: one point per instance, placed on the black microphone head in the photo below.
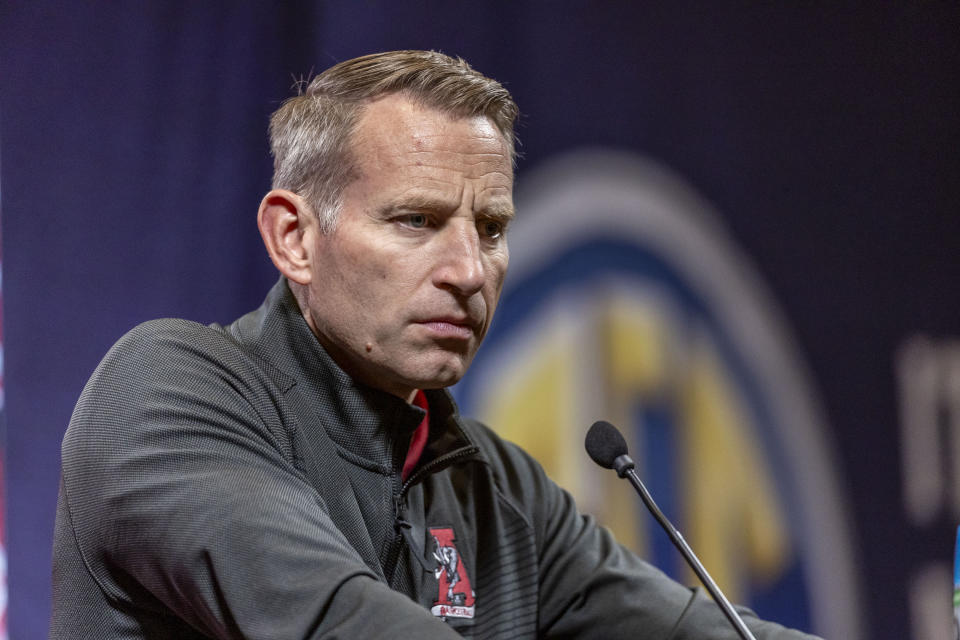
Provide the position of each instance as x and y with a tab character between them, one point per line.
605	444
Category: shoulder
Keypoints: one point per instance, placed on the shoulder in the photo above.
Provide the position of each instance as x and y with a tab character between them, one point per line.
517	475
157	341
171	397
175	351
505	458
165	372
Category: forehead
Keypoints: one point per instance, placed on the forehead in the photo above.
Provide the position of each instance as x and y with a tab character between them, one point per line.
397	130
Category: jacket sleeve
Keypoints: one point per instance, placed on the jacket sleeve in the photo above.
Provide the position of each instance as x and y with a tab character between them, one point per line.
592	587
181	500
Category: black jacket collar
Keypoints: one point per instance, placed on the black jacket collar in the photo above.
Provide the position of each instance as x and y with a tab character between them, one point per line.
370	426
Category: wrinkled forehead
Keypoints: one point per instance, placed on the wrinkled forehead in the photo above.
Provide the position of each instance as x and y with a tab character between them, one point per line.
396	125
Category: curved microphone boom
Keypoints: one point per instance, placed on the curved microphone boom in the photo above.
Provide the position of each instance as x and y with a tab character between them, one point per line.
605	446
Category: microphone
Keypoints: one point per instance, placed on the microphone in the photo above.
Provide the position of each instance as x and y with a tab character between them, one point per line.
605	446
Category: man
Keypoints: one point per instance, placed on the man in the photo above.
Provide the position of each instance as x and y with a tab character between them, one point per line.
301	473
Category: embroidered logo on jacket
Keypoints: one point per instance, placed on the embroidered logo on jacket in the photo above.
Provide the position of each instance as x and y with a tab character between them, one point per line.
455	596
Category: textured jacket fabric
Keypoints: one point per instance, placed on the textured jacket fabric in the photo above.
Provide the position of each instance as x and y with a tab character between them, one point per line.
233	482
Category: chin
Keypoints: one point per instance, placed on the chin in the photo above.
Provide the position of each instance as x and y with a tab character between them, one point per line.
438	381
444	375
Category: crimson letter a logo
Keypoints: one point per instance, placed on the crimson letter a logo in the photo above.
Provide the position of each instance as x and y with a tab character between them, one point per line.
455	596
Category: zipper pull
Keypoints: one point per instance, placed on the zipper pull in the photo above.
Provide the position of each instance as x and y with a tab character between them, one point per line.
412	537
399	508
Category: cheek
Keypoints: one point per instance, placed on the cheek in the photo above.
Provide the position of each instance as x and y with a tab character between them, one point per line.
497	271
492	290
378	282
360	269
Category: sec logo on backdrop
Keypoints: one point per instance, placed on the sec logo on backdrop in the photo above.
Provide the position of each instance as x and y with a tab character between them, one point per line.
626	301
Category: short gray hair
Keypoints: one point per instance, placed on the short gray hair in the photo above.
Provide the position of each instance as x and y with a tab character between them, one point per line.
310	133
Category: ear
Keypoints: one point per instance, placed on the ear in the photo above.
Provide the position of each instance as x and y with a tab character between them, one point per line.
287	225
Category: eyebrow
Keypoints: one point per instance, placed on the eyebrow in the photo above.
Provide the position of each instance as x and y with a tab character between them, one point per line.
500	211
497	209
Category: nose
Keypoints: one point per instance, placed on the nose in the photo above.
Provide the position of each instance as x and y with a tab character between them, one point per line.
460	266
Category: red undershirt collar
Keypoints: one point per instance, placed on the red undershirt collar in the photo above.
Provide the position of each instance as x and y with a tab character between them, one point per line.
419	438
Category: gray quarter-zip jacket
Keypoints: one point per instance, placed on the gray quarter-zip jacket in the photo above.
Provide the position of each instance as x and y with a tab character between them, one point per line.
234	482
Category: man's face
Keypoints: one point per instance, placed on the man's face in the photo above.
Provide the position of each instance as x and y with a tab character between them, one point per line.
403	291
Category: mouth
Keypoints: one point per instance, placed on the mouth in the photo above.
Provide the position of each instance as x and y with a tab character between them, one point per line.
449	327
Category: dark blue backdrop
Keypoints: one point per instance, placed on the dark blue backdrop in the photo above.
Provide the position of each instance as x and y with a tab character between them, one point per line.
134	154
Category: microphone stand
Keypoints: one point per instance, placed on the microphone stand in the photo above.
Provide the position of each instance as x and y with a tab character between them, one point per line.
624	466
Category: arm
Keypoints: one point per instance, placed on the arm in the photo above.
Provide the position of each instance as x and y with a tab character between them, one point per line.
592	587
183	497
605	591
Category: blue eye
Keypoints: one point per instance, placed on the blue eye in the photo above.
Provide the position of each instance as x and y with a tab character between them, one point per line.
491	228
417	220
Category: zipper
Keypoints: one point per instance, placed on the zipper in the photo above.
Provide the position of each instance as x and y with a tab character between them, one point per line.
438	463
400	523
